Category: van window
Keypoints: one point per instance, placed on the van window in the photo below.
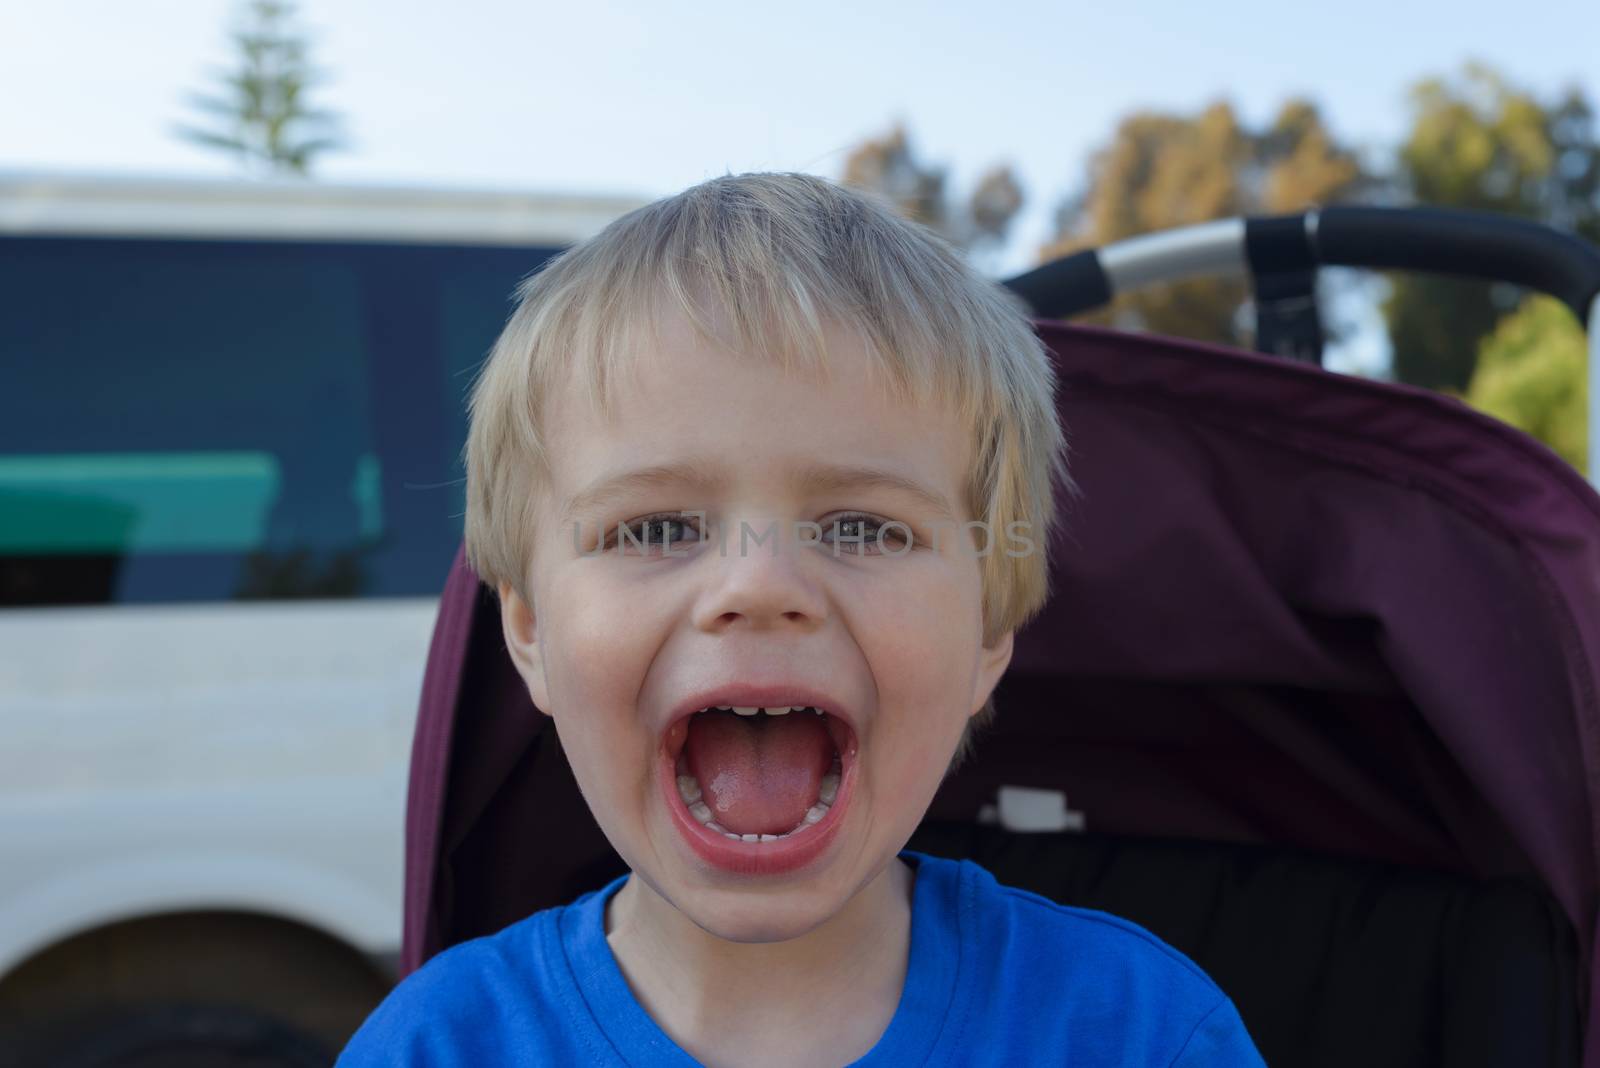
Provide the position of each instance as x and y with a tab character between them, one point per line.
193	420
475	302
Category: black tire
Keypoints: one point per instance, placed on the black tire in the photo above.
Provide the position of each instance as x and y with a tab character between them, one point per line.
187	1036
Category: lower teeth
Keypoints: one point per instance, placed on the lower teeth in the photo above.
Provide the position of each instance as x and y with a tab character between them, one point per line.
689	791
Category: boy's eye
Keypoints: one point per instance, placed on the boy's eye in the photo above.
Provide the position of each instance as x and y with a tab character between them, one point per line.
865	534
654	532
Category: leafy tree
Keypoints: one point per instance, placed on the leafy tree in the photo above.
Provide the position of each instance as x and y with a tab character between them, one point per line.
889	167
1532	373
260	108
1481	144
1163	170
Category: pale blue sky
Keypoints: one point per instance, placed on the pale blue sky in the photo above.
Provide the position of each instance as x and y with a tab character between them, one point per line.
647	97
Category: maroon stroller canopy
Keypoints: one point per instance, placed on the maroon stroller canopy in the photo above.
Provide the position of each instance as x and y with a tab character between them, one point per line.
1288	607
1397	595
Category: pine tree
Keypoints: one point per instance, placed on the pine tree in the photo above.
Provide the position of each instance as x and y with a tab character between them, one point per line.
260	109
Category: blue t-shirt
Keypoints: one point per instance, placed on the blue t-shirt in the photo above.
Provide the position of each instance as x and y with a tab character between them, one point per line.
997	976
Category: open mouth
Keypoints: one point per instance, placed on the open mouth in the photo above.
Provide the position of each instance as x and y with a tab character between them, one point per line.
758	788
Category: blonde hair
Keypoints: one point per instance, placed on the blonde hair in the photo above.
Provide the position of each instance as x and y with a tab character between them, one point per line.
771	259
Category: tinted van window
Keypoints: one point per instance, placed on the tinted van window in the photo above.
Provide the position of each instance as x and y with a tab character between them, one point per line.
196	420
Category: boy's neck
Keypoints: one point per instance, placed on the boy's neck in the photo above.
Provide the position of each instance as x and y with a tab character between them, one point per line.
823	998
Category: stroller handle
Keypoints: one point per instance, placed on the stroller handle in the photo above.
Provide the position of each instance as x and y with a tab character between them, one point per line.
1281	254
1430	240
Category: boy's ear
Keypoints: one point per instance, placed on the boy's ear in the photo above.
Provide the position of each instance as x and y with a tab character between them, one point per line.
520	628
992	663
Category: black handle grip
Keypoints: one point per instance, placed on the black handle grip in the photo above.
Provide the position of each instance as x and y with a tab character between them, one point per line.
1470	244
1063	288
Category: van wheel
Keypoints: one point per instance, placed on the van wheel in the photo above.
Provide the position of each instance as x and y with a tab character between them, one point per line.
188	1036
242	989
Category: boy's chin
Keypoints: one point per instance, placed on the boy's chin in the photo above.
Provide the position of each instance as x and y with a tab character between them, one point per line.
777	913
753	917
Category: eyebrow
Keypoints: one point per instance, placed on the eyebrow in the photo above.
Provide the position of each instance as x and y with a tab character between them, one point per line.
812	479
835	478
611	489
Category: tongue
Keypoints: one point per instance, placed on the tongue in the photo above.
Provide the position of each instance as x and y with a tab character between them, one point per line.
759	773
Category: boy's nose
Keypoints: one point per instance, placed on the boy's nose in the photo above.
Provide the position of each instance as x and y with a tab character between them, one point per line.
760	586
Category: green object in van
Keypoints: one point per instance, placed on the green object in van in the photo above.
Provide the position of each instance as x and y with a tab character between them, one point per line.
136	502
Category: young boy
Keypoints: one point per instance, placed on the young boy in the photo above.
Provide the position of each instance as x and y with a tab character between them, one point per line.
764	477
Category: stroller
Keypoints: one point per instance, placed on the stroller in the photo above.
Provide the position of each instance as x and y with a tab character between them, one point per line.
1316	698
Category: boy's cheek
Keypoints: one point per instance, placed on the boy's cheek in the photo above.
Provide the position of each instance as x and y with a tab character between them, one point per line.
930	616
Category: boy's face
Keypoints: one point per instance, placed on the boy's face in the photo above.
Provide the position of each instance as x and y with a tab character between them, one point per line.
626	648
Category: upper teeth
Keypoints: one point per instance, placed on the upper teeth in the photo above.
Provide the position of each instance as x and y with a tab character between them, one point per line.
750	710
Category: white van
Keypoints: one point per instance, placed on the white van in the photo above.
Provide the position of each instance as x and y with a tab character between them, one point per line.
230	423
